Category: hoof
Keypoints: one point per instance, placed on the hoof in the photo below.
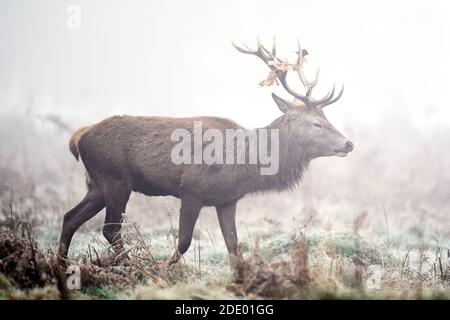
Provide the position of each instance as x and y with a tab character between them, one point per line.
175	258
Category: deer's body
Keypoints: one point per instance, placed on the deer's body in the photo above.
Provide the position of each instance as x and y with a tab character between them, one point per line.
124	154
141	147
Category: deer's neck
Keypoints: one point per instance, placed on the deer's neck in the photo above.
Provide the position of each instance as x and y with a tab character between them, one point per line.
292	161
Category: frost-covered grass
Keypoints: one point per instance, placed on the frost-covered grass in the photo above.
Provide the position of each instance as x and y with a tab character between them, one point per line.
341	264
347	255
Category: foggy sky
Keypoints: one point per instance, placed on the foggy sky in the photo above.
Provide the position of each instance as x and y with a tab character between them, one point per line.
174	58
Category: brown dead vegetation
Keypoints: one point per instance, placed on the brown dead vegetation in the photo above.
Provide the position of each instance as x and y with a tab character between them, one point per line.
256	278
22	262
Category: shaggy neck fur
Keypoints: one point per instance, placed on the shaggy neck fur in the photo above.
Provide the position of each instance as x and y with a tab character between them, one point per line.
293	161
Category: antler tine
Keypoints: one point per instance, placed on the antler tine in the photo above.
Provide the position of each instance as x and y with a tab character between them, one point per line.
316	79
335	99
282	77
263	49
269	53
325	99
259	52
300	60
300	64
258	42
240	49
272	54
329	95
274	46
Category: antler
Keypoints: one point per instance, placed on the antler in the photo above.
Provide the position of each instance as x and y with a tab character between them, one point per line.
299	67
279	69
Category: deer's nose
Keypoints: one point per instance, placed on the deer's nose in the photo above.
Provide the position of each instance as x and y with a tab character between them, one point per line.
349	146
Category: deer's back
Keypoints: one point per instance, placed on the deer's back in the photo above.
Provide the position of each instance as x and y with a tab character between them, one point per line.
138	149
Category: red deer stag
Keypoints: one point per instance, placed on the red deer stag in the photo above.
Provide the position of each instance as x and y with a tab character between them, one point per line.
123	154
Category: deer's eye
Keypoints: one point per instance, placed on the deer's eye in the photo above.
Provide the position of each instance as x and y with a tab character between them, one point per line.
317	125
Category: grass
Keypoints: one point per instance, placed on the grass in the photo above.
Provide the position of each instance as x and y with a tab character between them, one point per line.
302	262
319	265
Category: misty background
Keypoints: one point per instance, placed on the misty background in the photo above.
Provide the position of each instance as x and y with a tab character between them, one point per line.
175	58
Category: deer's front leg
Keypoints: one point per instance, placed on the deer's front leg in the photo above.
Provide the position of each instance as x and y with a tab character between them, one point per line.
227	217
189	212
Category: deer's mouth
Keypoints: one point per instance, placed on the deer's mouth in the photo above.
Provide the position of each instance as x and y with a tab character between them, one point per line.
340	152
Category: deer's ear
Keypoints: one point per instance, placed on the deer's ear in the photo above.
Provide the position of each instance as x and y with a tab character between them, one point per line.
282	104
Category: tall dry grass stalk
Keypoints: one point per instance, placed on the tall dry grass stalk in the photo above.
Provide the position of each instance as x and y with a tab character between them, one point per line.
359	262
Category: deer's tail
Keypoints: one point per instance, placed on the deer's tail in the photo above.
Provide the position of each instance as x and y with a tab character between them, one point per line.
73	142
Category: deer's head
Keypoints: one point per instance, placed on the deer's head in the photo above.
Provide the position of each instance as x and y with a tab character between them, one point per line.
304	117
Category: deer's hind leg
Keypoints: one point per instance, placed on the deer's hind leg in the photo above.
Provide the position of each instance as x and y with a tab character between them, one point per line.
117	194
92	203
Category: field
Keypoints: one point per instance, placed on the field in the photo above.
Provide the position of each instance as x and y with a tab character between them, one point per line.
341	235
301	263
